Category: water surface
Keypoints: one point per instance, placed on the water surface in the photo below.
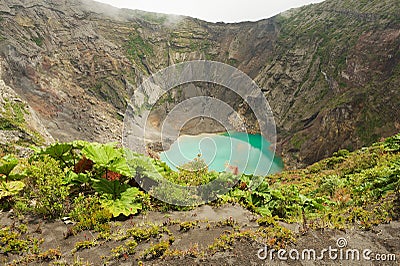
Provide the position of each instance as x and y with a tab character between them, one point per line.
251	154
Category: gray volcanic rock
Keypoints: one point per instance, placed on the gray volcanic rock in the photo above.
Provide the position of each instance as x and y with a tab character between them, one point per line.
330	71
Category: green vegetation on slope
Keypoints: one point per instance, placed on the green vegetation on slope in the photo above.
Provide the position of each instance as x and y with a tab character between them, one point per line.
344	72
92	183
12	119
334	187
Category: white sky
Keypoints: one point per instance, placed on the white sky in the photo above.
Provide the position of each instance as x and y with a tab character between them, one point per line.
214	10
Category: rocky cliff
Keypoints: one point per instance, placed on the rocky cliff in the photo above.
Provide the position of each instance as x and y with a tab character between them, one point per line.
330	71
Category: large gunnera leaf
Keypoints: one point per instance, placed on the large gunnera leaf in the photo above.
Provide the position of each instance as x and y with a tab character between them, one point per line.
127	204
10	188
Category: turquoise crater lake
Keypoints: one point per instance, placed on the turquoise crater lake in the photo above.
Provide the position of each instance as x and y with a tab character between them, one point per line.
251	154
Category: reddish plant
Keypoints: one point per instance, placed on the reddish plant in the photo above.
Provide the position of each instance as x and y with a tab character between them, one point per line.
112	176
234	169
242	185
83	166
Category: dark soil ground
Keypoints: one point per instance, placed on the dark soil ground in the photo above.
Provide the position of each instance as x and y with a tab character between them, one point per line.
192	246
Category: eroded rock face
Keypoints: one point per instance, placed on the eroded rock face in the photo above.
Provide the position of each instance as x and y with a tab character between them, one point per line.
329	71
20	125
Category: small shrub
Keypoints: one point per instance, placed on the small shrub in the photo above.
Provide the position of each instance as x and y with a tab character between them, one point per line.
21	206
224	242
267	221
48	189
84	245
119	251
186	226
89	215
193	172
12	241
131	246
49	255
156	250
141	234
330	184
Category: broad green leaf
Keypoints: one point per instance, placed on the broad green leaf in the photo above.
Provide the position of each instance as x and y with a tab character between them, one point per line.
246	179
317	205
264	211
114	188
10	188
142	166
238	194
57	150
120	166
128	203
252	200
304	200
256	181
8	163
118	207
130	193
277	194
79	144
263	188
102	154
62	152
35	149
73	177
161	167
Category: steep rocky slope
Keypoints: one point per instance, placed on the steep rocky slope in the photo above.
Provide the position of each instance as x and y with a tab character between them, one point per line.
330	71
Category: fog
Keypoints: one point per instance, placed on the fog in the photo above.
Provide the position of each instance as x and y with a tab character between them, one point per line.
214	10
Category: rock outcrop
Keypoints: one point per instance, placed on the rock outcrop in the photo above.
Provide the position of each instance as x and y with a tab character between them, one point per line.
330	71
